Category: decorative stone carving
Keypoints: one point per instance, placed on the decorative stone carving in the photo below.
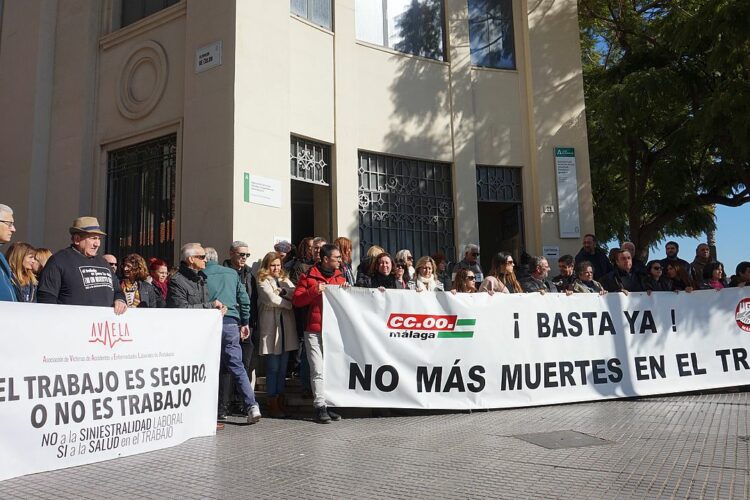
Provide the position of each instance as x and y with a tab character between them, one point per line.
142	81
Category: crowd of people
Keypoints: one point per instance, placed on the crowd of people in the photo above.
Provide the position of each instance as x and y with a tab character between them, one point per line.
278	308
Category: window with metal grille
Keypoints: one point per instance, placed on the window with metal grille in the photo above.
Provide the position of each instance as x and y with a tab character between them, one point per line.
491	34
141	199
501	184
135	10
310	161
315	11
405	203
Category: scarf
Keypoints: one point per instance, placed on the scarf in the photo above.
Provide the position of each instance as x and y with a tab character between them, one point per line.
161	287
132	294
327	273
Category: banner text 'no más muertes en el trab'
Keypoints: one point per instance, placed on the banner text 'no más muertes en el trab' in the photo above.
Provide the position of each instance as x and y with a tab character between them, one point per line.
403	349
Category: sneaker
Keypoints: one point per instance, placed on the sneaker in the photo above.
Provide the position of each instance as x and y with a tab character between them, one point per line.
334	416
322	416
253	414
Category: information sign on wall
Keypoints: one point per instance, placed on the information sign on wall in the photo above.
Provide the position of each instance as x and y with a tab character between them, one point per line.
262	190
567	193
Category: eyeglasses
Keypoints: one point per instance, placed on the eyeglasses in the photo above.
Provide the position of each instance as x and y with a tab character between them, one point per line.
201	257
9	223
240	254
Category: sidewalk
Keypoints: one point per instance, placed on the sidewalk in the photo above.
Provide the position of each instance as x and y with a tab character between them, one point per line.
663	447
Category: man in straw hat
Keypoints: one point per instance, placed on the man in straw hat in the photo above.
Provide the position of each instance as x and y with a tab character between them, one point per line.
77	275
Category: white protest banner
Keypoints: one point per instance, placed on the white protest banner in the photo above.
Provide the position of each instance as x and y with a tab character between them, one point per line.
81	385
402	349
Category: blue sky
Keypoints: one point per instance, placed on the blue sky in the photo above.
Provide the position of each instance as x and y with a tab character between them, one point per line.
732	238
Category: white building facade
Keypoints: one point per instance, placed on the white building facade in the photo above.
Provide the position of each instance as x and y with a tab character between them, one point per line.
420	124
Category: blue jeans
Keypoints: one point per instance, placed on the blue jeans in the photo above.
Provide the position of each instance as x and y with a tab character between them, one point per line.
231	360
276	373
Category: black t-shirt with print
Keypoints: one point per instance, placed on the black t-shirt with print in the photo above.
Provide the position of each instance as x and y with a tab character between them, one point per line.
74	279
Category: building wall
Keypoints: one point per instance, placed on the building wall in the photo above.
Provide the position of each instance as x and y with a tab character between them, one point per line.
280	75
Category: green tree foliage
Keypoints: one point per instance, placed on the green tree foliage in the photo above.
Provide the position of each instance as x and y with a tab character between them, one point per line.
667	87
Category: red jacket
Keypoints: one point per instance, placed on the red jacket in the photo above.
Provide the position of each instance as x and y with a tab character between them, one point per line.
307	294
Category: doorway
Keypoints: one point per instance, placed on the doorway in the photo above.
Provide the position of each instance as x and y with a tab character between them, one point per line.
310	172
500	213
500	230
311	210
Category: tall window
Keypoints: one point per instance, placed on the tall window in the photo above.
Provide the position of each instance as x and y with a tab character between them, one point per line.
315	11
141	199
405	203
491	33
135	10
410	26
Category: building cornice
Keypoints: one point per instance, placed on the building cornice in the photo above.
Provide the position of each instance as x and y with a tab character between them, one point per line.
142	26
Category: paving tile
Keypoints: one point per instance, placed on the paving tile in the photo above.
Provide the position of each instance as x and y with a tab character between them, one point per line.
695	446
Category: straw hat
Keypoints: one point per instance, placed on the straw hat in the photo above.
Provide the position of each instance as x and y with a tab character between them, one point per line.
86	225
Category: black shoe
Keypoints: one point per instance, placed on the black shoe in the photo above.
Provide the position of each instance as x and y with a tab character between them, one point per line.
221	417
335	417
322	416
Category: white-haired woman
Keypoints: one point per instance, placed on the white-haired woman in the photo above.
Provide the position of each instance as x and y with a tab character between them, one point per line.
425	277
277	330
404	255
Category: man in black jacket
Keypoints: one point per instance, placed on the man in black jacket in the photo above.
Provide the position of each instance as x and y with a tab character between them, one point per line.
623	278
592	253
564	280
77	275
187	287
672	249
537	280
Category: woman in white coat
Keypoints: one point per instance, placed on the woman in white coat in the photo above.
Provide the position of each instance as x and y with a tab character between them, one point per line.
277	331
426	276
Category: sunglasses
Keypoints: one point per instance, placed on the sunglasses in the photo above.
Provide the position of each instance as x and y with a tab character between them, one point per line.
242	254
470	277
201	257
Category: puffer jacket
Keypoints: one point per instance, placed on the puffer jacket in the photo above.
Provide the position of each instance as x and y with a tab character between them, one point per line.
307	294
188	290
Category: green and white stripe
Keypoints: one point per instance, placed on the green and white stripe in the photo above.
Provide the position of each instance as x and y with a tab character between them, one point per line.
466	332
